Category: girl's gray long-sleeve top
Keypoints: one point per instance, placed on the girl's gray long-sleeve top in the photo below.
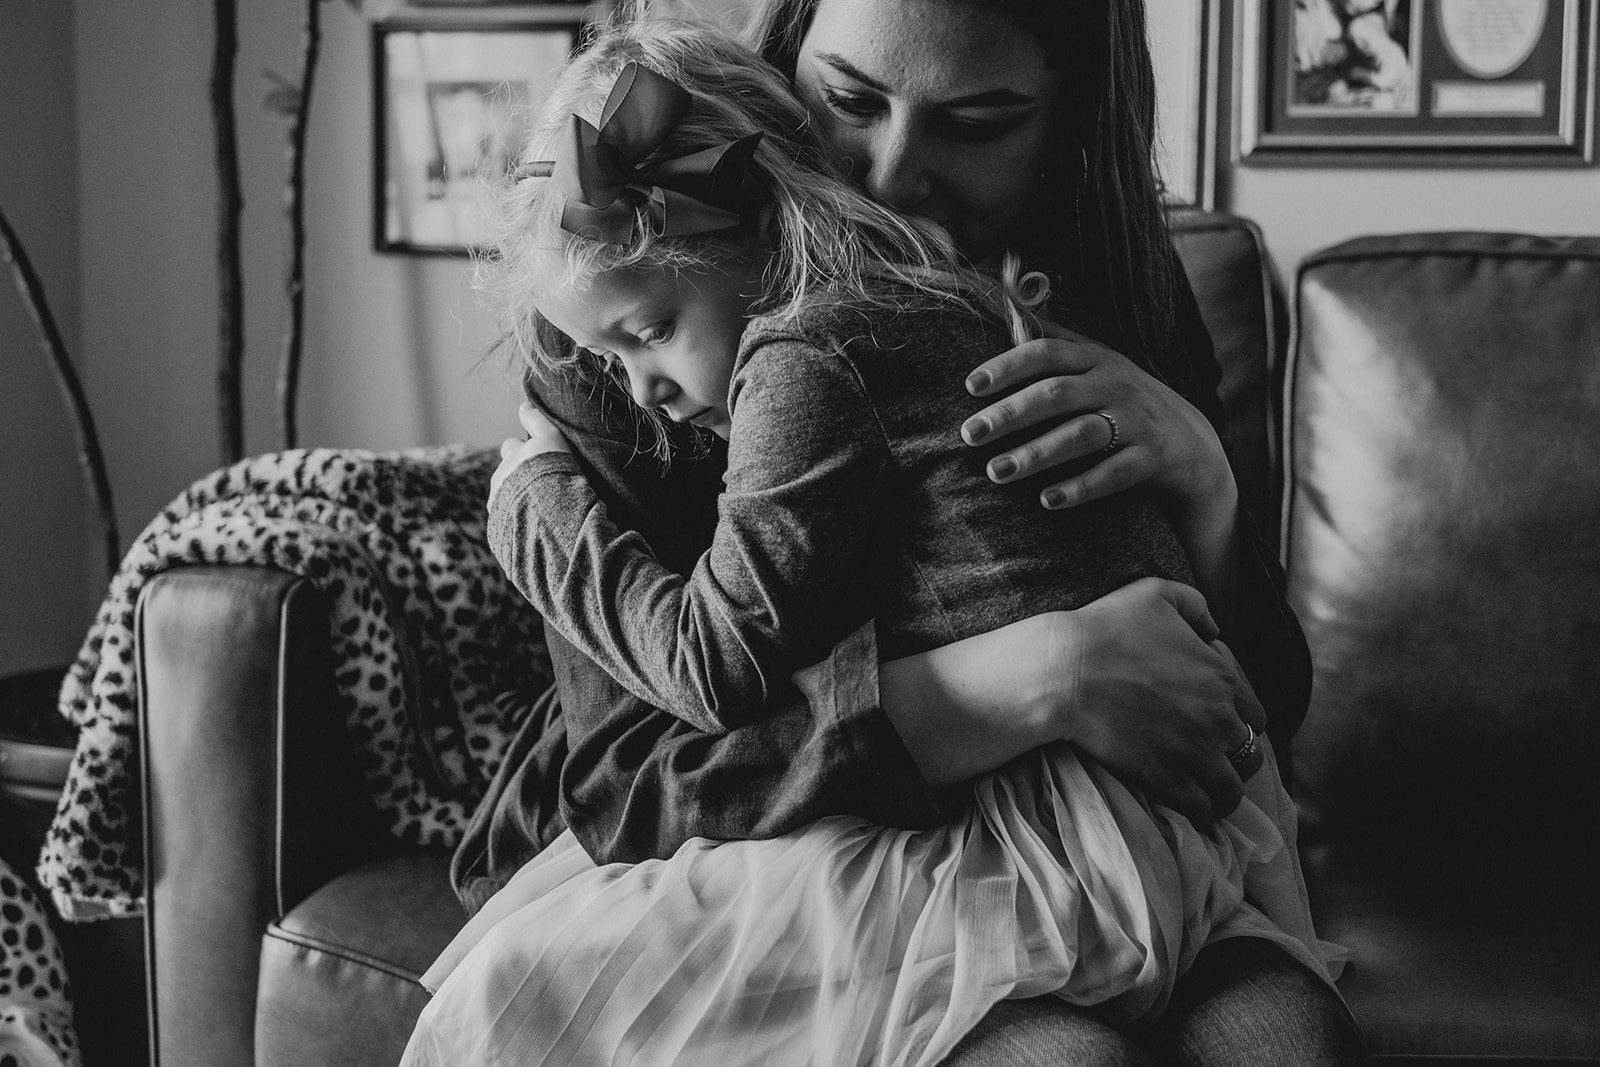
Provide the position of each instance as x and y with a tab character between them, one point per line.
848	498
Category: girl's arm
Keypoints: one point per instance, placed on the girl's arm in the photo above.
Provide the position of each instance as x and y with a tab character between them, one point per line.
784	575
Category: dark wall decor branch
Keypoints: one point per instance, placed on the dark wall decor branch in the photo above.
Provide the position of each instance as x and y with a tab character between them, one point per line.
230	271
89	455
294	101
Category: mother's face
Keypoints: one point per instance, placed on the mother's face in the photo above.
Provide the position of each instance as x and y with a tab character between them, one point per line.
943	107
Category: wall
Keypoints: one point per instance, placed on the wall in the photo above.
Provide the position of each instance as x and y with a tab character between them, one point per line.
44	603
1301	211
393	343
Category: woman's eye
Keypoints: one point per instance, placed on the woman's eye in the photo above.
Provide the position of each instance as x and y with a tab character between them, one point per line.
980	131
851	105
659	334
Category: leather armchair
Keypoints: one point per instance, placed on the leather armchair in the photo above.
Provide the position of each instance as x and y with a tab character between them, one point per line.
283	926
1442	522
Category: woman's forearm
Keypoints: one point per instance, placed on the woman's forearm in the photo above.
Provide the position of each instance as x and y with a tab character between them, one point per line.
964	709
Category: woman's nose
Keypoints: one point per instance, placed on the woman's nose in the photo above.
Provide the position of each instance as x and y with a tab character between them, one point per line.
898	173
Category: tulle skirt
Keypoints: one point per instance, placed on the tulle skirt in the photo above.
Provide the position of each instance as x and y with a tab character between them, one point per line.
846	943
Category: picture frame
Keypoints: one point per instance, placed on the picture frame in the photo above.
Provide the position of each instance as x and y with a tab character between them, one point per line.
1185	44
1415	82
452	99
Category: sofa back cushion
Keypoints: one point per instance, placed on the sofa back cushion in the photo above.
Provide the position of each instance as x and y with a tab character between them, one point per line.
1442	531
1241	304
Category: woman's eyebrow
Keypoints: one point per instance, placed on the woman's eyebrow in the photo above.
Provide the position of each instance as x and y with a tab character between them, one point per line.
987	98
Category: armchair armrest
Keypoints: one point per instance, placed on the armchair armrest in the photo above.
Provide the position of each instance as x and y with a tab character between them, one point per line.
252	796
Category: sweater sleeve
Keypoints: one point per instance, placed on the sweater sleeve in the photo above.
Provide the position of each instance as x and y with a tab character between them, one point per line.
771	594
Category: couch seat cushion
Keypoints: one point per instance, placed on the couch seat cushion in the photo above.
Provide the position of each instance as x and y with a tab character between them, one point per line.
339	971
1468	948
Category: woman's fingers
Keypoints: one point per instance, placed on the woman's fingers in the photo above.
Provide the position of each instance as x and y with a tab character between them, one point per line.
1118	471
1032	360
1073	439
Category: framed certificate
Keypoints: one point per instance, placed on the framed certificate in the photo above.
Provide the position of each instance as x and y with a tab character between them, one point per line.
1416	81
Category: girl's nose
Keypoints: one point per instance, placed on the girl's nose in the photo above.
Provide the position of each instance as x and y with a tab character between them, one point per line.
899	175
648	388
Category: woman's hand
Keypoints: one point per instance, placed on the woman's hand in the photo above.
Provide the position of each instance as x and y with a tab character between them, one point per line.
514	451
1136	679
1150	692
1161	439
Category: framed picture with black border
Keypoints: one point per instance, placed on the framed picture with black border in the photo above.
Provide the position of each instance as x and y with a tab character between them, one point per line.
1415	82
453	100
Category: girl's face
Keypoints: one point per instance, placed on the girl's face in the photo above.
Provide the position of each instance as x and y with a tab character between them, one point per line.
943	107
676	335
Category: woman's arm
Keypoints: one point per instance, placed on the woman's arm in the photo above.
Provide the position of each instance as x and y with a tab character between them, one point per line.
1170	440
1136	679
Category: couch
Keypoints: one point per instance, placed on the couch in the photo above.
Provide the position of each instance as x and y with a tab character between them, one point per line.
1445	765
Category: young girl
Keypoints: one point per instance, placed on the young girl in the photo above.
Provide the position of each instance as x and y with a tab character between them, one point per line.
689	237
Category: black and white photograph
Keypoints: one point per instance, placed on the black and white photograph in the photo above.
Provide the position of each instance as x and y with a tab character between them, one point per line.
800	533
1354	55
453	107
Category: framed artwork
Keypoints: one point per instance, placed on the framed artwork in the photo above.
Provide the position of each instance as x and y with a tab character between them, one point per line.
452	104
1184	39
1481	82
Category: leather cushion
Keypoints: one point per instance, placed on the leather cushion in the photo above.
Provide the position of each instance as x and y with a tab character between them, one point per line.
1482	953
339	972
1240	301
1443	533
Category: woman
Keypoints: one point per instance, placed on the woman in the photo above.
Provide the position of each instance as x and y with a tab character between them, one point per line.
635	783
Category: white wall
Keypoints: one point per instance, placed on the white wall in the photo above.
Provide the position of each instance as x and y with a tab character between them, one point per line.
44	602
391	341
123	224
1301	211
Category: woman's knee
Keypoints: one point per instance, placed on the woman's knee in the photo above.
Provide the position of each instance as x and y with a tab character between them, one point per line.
1246	1002
1044	1032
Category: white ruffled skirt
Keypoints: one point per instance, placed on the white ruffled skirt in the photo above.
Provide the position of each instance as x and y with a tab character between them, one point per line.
846	943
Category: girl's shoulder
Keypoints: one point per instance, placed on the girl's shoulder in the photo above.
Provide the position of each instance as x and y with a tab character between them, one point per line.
893	318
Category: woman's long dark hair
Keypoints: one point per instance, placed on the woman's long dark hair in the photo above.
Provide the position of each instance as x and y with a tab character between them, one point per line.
1101	231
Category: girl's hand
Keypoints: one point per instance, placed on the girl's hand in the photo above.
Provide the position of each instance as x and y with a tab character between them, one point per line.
542	437
1161	439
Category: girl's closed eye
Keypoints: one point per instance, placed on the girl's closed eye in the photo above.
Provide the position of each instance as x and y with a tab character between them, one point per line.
659	334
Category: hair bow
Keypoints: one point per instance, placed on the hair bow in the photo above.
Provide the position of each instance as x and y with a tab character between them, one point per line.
600	173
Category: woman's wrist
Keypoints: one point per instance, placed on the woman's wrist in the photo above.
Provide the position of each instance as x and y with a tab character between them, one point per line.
966	708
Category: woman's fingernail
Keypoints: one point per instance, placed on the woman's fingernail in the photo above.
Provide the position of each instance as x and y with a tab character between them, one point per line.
1054	498
978	381
1002	467
976	429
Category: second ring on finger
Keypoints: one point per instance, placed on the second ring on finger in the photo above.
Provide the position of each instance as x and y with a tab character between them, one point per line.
1084	435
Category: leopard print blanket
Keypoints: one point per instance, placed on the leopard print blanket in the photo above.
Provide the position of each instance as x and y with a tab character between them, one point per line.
426	631
35	998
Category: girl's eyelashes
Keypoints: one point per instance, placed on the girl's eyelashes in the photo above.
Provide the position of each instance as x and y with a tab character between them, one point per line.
659	334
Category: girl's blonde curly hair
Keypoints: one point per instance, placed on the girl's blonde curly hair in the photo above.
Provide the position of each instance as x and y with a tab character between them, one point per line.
829	237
